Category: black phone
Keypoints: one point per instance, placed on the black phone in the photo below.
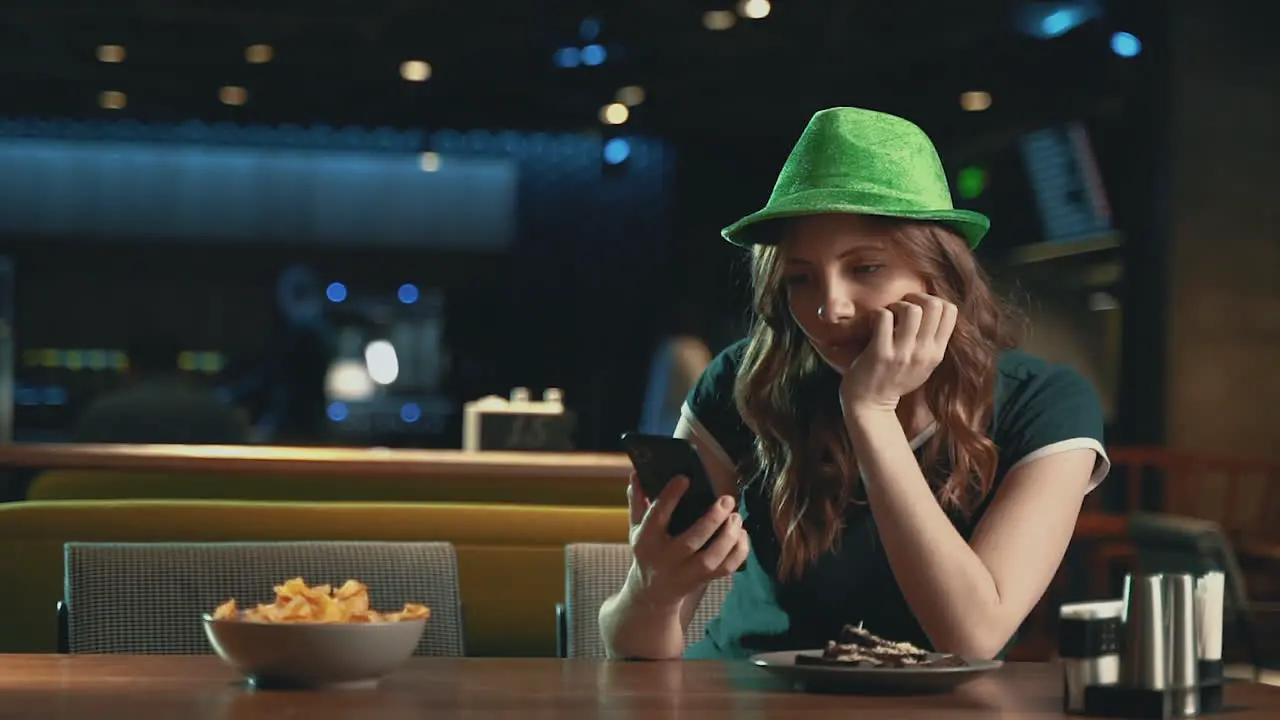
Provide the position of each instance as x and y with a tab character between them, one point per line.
657	459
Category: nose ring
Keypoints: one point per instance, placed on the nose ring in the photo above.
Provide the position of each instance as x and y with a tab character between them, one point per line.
822	312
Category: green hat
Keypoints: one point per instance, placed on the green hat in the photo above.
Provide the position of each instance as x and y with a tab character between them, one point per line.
850	160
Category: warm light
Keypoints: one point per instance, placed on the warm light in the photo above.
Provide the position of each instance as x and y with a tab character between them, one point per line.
415	70
110	53
614	114
718	19
631	95
429	162
259	54
112	100
381	362
754	9
348	381
1103	301
233	95
975	100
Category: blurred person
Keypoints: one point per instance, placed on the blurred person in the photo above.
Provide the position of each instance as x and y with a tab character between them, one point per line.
883	454
290	379
158	404
681	357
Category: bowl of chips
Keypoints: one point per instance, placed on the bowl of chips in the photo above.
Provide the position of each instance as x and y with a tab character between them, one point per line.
312	637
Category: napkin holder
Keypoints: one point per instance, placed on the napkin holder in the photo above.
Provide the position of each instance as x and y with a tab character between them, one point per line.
518	423
1120	701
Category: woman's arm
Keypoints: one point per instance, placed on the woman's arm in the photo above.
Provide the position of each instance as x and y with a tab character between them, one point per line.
632	625
969	597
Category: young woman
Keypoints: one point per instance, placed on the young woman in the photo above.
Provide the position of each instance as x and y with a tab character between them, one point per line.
884	455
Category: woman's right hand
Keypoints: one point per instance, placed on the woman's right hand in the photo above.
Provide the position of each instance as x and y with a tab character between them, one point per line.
671	568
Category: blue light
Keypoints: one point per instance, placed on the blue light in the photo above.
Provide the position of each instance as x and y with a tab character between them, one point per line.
337	411
616	151
1125	44
567	57
589	29
594	55
408	293
55	395
410	412
336	292
1058	22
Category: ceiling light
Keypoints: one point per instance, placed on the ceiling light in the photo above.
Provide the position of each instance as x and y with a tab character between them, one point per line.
112	100
754	9
718	19
233	95
415	70
259	54
429	162
110	53
975	100
630	95
614	114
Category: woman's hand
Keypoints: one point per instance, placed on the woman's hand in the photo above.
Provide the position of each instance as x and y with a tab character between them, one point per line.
908	341
670	568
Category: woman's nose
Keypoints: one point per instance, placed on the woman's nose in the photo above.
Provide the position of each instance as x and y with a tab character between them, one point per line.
837	309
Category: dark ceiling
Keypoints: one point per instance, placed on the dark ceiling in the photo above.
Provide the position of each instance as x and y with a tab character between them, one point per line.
336	61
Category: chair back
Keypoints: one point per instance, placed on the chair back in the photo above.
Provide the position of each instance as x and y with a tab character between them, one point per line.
594	572
148	598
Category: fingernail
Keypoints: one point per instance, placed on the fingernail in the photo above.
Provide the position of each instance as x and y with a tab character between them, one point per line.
726	502
737	520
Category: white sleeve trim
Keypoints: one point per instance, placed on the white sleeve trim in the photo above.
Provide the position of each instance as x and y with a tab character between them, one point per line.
1100	468
705	436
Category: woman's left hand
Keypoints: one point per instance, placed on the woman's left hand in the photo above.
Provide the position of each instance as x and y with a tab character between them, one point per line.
908	341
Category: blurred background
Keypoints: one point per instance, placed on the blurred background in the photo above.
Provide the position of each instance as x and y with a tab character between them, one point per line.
347	219
335	223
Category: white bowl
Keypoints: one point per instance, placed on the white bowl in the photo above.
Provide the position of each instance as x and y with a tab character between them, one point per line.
313	654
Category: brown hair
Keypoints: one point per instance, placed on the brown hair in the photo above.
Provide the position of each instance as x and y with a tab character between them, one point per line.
802	451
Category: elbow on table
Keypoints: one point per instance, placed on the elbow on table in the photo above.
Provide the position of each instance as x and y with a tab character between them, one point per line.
976	644
624	640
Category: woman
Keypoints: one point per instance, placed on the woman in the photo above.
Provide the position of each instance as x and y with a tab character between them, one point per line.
883	455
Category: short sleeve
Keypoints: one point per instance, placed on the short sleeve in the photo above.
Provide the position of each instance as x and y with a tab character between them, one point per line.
1047	412
711	411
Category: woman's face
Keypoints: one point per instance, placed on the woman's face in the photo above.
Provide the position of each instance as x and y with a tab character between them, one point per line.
837	269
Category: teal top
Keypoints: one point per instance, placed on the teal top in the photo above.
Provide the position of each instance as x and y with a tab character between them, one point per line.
1040	409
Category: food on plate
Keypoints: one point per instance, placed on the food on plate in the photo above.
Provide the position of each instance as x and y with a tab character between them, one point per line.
298	603
859	648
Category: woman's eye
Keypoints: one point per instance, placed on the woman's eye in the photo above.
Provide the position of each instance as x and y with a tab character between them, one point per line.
865	269
792	280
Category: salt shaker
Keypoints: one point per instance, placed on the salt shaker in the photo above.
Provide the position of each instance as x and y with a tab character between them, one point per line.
1184	671
1089	646
1144	651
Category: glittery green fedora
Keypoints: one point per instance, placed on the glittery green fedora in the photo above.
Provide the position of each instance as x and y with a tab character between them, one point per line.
850	160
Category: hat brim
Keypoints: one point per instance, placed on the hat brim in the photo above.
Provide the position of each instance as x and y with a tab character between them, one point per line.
750	230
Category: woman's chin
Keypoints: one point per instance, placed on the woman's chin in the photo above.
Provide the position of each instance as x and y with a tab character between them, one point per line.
837	362
841	357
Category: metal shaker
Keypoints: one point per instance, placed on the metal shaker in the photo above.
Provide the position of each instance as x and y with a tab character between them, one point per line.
1145	650
1089	648
1184	669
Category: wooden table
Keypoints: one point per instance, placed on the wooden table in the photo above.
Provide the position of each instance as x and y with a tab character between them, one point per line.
197	687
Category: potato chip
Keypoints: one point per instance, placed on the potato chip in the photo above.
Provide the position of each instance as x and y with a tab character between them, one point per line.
297	603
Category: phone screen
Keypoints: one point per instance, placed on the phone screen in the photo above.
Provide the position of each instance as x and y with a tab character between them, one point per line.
657	459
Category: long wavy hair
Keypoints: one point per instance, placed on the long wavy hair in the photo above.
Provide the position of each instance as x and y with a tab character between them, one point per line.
784	393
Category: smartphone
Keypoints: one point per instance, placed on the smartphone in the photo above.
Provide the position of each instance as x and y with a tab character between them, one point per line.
657	459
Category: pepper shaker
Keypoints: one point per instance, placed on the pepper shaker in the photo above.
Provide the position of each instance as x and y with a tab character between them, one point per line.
1089	647
1144	660
1184	671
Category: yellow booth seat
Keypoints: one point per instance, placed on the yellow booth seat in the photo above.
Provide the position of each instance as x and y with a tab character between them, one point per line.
605	491
510	557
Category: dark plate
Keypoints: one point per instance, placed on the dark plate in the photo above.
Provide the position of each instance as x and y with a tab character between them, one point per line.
851	678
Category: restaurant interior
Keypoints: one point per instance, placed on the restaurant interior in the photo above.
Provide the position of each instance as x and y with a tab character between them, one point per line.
233	312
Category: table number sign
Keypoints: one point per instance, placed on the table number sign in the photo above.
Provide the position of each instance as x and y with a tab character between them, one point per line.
518	423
